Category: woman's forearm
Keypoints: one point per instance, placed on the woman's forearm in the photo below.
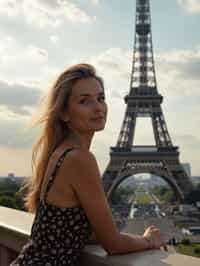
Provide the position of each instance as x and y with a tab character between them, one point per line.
127	243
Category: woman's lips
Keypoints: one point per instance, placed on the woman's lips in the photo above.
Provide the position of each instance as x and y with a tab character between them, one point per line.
98	118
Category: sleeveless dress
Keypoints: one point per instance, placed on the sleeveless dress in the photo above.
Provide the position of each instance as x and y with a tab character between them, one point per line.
58	235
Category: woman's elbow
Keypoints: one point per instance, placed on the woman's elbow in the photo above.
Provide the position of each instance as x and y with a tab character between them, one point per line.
112	249
111	252
111	243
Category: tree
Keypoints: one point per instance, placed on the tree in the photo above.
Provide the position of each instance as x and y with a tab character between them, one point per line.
197	250
168	196
12	194
185	241
7	201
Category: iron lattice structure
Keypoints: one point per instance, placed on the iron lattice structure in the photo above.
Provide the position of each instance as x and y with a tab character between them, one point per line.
143	100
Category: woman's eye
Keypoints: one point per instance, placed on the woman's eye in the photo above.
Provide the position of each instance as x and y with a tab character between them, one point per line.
102	99
82	101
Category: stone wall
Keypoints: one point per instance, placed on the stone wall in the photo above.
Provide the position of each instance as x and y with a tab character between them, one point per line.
15	229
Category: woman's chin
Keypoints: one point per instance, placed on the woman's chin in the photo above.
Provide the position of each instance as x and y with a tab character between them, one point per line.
100	128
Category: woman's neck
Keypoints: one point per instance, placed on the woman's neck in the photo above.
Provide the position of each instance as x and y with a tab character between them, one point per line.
80	140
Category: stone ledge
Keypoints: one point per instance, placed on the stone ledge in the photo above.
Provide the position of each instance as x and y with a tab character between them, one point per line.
95	255
15	229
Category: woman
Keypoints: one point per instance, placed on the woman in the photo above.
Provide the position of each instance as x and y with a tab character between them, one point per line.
66	191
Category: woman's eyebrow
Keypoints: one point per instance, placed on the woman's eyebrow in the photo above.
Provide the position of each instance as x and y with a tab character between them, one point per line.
88	95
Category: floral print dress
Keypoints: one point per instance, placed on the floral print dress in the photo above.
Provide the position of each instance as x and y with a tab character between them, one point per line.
58	235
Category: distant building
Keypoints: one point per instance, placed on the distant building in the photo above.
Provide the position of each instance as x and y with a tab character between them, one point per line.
14	179
195	180
11	176
187	168
195	230
188	210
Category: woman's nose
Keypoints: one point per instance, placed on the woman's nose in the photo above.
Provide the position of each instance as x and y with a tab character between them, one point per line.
98	105
100	109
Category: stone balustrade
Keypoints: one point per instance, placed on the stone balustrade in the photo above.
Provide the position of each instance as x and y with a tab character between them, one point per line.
15	228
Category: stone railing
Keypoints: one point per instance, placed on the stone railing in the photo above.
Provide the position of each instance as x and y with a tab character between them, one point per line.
15	228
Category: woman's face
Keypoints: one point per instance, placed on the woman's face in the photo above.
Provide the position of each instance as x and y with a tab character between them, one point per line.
87	109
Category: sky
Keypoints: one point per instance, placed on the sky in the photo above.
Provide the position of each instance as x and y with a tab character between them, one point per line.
40	38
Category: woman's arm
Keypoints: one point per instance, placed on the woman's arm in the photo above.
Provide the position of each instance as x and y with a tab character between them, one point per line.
85	180
92	239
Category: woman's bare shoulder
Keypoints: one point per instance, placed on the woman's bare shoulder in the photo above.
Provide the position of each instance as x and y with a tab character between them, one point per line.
80	160
79	155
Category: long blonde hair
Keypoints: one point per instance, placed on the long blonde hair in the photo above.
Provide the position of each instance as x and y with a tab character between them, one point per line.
55	130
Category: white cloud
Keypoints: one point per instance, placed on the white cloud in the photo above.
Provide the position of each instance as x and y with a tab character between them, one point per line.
15	97
44	13
13	135
54	39
25	64
191	6
10	7
13	53
95	2
182	68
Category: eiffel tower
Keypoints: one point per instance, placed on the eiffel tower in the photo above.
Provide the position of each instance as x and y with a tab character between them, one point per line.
144	100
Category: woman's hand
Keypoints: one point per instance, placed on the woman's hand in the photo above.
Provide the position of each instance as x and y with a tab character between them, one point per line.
153	235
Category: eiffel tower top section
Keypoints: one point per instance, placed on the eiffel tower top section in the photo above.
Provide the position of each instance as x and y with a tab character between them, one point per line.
143	99
143	77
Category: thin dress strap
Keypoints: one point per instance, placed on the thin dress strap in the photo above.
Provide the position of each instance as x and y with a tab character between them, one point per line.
53	174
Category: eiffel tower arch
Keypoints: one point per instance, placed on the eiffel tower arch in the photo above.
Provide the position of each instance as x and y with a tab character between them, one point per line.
144	100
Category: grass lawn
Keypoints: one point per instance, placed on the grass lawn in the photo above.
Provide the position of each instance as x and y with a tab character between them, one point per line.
189	249
142	198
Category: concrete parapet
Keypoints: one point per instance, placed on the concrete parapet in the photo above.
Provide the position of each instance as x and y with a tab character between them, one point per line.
95	255
15	229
